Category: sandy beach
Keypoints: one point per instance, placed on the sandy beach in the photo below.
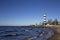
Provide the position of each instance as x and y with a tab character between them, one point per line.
56	35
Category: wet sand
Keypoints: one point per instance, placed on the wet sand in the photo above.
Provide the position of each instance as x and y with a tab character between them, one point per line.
56	35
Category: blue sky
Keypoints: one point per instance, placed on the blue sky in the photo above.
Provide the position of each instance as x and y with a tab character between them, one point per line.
26	12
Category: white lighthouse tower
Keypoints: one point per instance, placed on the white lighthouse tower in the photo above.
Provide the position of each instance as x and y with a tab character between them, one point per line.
44	17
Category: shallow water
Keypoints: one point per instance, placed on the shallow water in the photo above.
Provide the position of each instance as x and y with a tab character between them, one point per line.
24	33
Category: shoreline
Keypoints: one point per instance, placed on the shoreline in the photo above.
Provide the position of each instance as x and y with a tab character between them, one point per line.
56	35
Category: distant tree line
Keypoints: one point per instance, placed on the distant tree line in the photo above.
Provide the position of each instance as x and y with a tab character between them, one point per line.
54	22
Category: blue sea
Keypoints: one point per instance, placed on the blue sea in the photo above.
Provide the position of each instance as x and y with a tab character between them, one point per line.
25	33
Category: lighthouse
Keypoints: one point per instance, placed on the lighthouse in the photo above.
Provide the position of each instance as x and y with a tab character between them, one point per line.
44	17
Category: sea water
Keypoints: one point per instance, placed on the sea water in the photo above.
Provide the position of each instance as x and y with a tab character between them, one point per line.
25	33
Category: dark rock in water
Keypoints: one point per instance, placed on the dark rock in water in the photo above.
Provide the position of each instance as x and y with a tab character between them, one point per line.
11	35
